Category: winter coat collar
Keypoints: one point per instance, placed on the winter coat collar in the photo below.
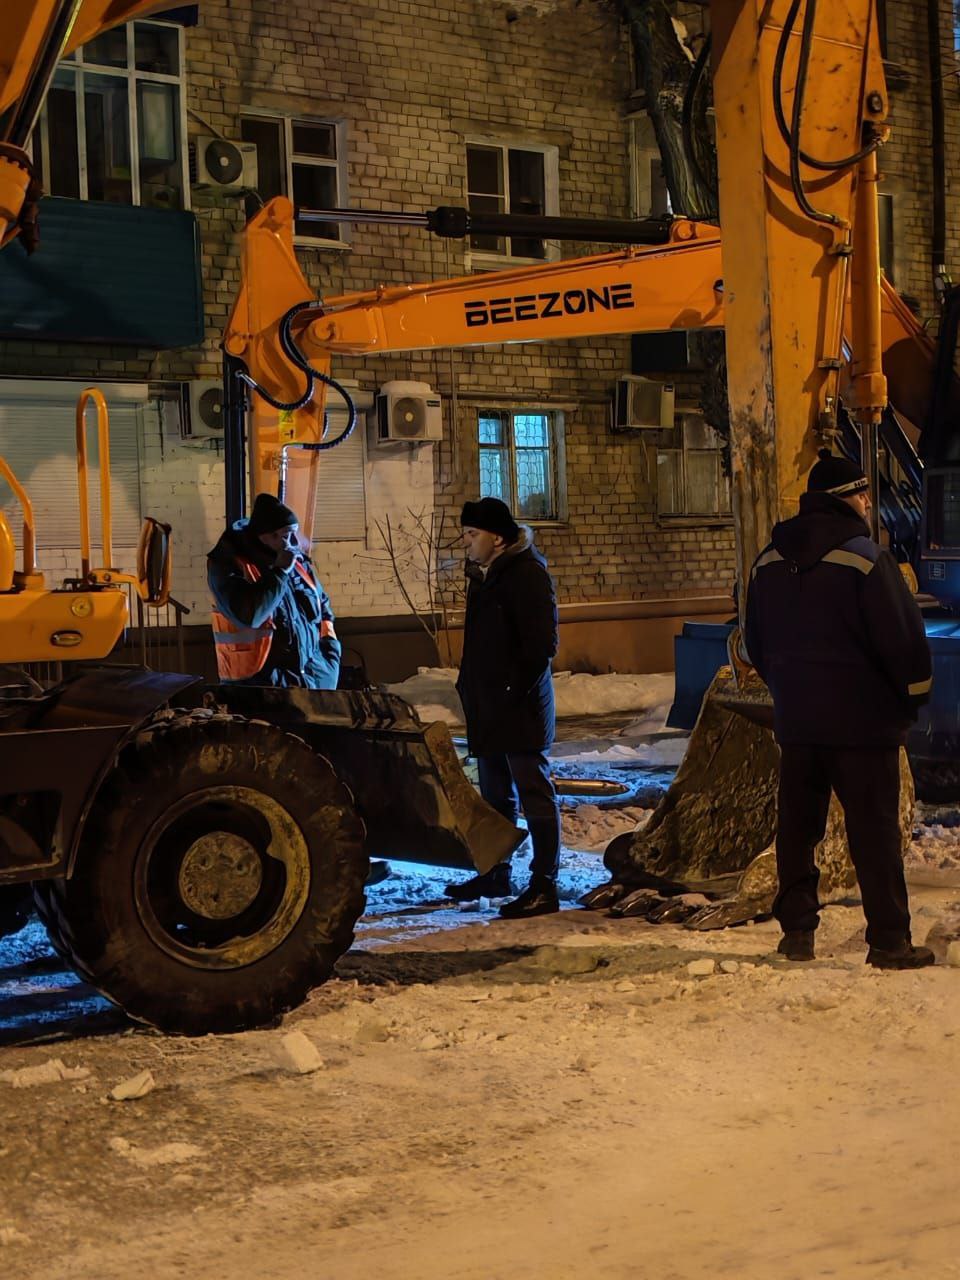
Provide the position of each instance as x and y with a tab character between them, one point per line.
824	523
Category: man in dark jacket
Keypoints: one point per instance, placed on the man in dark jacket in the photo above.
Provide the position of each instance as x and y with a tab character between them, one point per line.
509	639
839	640
272	620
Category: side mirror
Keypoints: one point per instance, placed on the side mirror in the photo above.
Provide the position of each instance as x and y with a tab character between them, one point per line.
154	560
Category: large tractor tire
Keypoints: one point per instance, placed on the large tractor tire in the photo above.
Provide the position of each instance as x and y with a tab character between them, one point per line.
218	879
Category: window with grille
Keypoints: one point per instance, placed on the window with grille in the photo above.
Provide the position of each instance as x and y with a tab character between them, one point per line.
303	160
112	127
505	179
519	460
690	479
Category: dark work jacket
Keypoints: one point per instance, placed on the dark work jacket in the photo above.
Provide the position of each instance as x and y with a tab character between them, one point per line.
510	636
299	657
835	632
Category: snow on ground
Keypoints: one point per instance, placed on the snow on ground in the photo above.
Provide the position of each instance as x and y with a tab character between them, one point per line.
433	694
572	1096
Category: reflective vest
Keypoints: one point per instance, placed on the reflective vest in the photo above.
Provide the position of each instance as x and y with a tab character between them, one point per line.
241	651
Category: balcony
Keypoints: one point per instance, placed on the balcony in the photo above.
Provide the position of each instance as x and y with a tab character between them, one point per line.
105	273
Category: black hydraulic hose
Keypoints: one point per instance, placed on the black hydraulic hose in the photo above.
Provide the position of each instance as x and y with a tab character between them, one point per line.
782	45
296	356
264	394
686	120
796	181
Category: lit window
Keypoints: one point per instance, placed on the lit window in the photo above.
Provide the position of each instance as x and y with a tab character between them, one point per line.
518	460
504	179
303	160
690	478
112	127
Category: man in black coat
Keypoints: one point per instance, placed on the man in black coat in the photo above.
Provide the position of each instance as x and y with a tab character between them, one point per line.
509	640
839	640
272	620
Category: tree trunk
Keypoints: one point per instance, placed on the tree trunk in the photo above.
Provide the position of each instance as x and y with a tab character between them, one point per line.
664	66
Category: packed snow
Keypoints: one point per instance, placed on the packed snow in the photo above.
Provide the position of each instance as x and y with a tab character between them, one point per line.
433	694
470	1097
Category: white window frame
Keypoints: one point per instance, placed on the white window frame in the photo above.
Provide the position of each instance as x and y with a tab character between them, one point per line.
680	449
480	258
78	65
558	463
289	157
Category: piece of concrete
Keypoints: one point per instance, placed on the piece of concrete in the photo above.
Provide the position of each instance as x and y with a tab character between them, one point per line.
300	1054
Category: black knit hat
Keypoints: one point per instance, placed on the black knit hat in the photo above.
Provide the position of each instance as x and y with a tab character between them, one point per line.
492	515
836	476
269	514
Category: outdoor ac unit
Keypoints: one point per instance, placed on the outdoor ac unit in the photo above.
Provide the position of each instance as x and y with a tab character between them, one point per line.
407	411
204	404
219	166
640	404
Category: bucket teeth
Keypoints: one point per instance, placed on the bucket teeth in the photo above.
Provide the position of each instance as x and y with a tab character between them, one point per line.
603	896
638	903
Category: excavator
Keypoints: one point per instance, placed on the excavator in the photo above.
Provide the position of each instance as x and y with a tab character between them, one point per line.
170	856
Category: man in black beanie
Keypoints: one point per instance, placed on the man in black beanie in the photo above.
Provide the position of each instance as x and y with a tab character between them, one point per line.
509	640
839	640
272	620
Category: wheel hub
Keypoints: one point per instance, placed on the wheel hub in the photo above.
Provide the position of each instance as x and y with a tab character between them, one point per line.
220	875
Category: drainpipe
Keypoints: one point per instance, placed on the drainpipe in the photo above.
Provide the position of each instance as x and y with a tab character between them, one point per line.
941	280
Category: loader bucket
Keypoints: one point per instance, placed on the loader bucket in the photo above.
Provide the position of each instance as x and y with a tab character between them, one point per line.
713	831
405	776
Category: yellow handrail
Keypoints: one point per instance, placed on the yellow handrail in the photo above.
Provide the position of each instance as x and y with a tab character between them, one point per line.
30	567
103	442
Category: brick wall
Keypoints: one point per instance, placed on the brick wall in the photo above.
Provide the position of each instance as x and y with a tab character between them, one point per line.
412	80
905	161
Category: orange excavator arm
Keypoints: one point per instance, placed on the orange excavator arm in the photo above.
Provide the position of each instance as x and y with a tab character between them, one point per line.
34	36
278	330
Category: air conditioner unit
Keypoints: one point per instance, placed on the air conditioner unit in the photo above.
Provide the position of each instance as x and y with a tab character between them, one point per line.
640	404
220	167
407	411
203	419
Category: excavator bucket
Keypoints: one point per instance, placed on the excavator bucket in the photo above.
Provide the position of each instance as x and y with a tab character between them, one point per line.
405	776
712	834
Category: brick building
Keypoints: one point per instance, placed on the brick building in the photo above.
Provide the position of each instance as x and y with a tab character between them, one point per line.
396	105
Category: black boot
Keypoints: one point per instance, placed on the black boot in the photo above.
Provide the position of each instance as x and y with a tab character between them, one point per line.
494	883
538	899
797	944
905	956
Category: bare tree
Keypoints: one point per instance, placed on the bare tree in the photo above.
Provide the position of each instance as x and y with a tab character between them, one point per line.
428	576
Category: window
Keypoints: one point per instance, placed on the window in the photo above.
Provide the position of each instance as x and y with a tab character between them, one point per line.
303	160
690	479
519	460
340	511
37	440
504	179
649	197
112	128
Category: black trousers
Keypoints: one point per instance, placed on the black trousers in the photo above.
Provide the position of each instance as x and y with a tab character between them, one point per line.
867	784
522	779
